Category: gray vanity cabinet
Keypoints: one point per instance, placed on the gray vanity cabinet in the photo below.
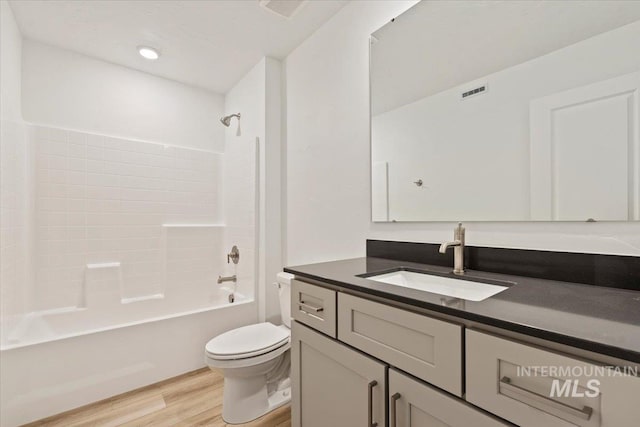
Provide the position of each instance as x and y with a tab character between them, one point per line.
415	404
338	383
354	359
334	385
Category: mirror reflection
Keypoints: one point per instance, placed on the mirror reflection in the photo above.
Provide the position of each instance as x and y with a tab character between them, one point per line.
507	111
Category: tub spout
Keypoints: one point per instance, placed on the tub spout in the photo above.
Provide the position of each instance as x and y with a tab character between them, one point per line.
222	279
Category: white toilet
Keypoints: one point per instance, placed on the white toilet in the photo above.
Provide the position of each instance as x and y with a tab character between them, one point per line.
255	361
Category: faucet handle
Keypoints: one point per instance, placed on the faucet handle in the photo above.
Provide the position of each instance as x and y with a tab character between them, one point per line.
234	255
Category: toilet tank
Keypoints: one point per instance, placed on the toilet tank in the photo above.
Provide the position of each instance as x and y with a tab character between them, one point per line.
284	292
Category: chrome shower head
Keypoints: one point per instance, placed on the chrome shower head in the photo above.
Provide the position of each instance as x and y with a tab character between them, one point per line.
226	120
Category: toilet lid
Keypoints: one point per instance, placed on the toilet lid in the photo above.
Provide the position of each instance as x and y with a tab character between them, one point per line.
248	341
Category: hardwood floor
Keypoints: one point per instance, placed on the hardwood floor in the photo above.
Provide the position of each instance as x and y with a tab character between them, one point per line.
192	399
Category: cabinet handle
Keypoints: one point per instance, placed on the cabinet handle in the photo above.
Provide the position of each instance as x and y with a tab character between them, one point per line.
394	409
371	385
540	401
313	308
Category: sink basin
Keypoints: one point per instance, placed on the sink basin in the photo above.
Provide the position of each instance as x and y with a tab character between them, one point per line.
468	289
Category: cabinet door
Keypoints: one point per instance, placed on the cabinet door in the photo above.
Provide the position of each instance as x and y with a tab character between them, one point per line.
334	385
415	404
427	348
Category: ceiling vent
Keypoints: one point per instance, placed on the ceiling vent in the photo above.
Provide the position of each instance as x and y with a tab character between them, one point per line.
475	91
285	8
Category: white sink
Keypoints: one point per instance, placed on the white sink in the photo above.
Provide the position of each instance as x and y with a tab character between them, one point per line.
457	288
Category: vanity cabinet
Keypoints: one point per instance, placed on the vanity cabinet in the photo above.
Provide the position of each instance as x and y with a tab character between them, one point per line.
334	385
343	382
354	360
415	404
530	386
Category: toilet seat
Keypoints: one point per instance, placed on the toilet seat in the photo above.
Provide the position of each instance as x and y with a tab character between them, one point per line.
247	342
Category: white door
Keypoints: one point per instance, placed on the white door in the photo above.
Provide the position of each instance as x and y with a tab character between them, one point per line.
585	152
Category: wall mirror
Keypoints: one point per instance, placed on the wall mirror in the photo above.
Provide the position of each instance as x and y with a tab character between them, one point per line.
507	111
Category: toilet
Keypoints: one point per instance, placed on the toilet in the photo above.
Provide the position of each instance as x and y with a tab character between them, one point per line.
255	361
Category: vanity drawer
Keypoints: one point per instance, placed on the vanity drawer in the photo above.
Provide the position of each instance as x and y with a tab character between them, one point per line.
427	348
314	306
534	387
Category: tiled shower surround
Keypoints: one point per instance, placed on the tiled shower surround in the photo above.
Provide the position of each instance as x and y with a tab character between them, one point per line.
14	220
103	201
118	221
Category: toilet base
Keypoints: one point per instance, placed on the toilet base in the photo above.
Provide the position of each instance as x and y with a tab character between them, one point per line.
240	408
279	398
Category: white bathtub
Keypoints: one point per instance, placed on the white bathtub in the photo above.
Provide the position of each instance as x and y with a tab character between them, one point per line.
53	361
111	313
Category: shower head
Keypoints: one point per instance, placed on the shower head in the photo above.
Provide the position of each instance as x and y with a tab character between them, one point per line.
226	120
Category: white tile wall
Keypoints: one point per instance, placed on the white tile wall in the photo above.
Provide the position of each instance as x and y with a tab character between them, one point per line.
241	210
195	258
14	223
101	199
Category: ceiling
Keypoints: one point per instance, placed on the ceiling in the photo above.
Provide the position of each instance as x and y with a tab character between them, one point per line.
437	45
210	44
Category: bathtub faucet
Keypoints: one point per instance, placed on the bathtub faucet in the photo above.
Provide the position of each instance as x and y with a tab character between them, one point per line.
222	279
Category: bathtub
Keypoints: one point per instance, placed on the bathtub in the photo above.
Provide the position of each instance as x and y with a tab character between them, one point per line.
53	361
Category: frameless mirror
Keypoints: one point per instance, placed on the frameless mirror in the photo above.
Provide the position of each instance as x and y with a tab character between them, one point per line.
507	111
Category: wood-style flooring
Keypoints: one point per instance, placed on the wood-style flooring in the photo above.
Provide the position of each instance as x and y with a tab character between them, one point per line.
192	399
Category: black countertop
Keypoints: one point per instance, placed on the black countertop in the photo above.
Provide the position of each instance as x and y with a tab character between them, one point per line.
595	318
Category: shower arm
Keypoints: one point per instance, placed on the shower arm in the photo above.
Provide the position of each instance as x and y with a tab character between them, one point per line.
226	120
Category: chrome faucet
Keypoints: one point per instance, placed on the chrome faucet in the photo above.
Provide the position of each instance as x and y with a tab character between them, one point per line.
458	249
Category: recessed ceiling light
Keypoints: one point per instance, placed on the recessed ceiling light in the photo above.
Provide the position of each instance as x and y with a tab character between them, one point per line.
148	52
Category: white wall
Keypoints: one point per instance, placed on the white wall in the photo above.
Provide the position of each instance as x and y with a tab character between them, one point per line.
271	188
257	97
426	138
14	179
328	166
327	108
68	90
10	64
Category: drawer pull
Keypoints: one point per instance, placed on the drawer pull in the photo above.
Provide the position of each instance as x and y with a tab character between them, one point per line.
540	401
393	417
308	307
371	385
